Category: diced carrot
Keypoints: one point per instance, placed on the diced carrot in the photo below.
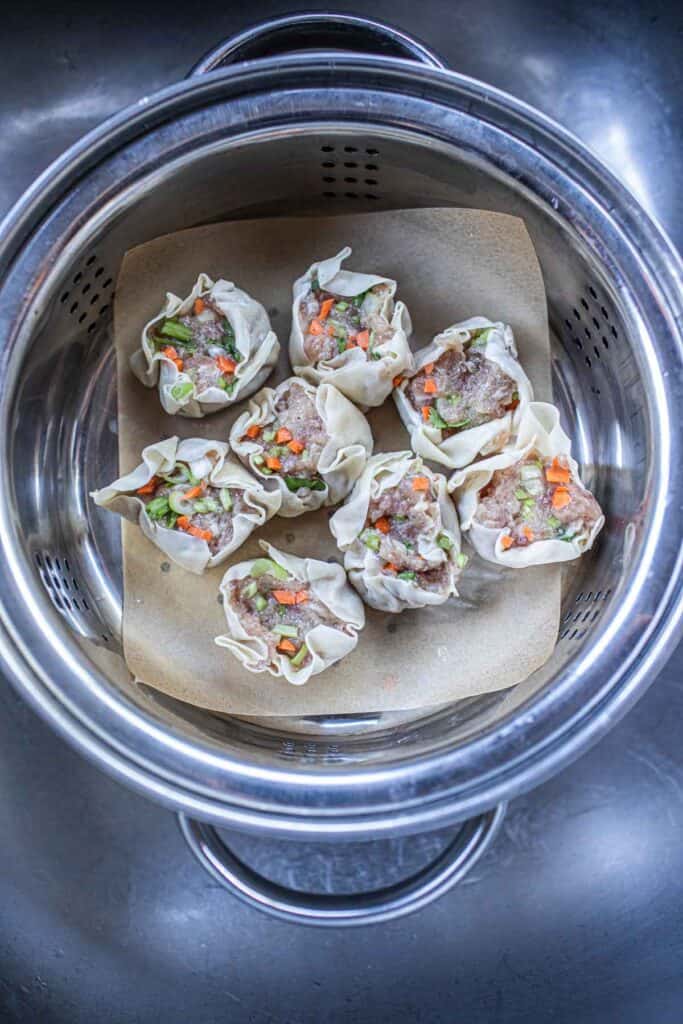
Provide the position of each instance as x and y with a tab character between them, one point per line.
272	462
363	339
331	330
316	327
383	524
428	368
506	542
397	381
283	435
426	409
296	446
226	365
150	487
172	354
199	306
430	387
325	309
253	431
557	473
194	492
286	646
196	531
528	533
184	522
390	567
420	483
284	596
302	596
561	497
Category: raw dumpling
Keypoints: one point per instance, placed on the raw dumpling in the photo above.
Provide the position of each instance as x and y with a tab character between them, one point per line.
207	351
468	394
346	330
289	616
399	534
310	443
527	505
191	499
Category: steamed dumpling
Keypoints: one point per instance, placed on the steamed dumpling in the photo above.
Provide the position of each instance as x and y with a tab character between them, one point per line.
192	500
207	351
347	331
310	444
527	504
467	395
290	616
399	534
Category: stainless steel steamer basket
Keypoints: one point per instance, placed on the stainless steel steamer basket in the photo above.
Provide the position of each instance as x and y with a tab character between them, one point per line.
322	132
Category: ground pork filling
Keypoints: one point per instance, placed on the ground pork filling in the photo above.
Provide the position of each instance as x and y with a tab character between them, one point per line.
292	441
183	502
398	519
332	324
202	345
460	390
280	610
537	499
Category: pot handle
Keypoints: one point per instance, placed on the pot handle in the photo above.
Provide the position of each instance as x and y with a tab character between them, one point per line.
462	853
310	31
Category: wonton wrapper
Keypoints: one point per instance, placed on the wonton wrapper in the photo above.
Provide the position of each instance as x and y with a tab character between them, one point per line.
328	583
378	589
254	339
207	459
463	447
363	380
342	459
539	431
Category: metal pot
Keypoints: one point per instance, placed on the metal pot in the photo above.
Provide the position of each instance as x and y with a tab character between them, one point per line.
408	134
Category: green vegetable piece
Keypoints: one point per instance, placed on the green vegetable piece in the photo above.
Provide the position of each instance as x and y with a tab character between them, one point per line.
315	283
258	460
204	505
226	499
444	541
294	483
375	354
479	337
180	475
299	657
269	435
157	508
341	345
554	522
435	420
173	329
181	391
251	589
410	576
460	423
227	385
285	630
461	560
262	566
170	520
341	306
260	602
180	505
371	540
515	396
521	494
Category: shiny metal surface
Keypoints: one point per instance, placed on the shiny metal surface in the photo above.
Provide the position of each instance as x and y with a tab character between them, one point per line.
435	138
575	913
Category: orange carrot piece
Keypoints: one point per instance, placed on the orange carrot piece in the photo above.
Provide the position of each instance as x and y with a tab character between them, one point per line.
283	435
325	309
315	327
286	646
430	387
296	446
196	531
390	567
383	524
506	542
253	431
428	368
397	381
528	533
284	596
272	462
302	596
150	487
225	365
363	339
426	409
183	522
172	354
194	492
556	473
420	483
199	306
561	497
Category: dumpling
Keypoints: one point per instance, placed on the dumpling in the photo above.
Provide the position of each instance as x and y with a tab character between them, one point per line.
207	351
399	534
290	616
191	499
527	505
310	443
468	394
347	331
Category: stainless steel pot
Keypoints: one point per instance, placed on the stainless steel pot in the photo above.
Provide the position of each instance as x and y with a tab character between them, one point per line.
330	131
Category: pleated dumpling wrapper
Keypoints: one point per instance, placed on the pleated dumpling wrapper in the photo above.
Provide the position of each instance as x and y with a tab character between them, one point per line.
347	330
207	351
290	616
399	534
191	499
311	444
467	395
527	504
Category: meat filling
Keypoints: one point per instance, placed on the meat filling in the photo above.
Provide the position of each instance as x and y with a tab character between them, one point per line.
281	610
398	519
462	389
331	324
292	441
536	499
183	502
202	345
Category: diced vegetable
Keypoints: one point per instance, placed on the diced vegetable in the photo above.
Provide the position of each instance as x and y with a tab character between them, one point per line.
521	494
295	483
299	657
180	391
180	475
561	497
459	424
554	522
397	381
479	337
506	542
363	339
179	503
390	567
461	560
410	576
296	447
528	533
444	541
150	487
273	462
430	387
173	329
383	524
253	431
263	566
226	365
283	435
341	306
371	540
199	306
196	531
157	508
316	327
258	460
286	647
226	499
428	368
172	354
205	505
420	483
285	630
251	589
325	308
227	385
284	596
435	420
269	435
194	492
260	602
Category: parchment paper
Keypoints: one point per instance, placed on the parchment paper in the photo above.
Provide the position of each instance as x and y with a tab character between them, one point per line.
450	264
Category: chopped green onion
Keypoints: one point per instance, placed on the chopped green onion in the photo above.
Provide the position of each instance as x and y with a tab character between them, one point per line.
515	396
227	385
407	576
408	545
179	504
204	505
341	306
181	391
461	560
180	475
294	483
226	500
444	541
258	460
172	329
269	435
399	519
460	423
527	511
262	566
521	494
371	540
375	354
341	345
260	602
157	508
553	522
170	520
265	471
435	420
357	300
285	630
251	589
479	336
298	658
